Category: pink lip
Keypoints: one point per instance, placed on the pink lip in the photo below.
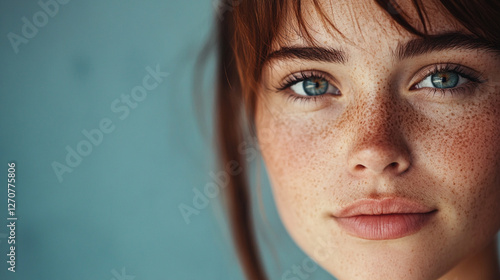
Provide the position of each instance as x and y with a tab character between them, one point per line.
389	218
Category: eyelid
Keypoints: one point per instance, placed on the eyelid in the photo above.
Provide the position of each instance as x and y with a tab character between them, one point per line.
474	77
299	76
464	71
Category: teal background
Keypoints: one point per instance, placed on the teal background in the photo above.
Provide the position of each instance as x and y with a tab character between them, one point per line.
116	215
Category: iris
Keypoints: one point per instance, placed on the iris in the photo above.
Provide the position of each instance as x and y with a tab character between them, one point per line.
315	86
445	79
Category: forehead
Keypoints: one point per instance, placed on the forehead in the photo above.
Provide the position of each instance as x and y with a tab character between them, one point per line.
364	24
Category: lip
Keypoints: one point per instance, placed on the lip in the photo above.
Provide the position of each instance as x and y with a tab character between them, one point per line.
389	218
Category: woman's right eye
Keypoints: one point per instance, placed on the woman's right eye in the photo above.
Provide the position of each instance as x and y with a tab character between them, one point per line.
314	86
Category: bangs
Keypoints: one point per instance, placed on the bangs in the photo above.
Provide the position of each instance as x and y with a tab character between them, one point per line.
293	20
258	25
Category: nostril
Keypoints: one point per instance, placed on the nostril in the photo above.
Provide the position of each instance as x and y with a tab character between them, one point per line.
359	167
394	165
378	160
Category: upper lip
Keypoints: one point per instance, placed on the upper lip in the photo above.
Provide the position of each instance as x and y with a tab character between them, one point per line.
390	205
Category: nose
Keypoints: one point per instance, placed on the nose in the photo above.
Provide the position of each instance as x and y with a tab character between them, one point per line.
378	146
377	159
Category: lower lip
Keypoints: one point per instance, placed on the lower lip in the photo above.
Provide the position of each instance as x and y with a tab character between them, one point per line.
381	227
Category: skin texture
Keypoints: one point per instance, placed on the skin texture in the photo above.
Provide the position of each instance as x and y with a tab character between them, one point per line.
323	155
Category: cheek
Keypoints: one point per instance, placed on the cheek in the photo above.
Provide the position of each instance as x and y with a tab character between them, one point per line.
462	157
300	155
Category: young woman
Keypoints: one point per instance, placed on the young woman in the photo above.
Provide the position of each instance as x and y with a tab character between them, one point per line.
379	124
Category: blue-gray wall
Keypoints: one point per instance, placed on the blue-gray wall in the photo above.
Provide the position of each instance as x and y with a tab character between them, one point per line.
112	213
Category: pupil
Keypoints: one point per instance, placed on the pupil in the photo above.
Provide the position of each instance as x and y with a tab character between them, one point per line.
445	80
315	86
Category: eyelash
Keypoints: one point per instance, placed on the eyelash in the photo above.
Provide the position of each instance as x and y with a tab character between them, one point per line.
297	78
474	79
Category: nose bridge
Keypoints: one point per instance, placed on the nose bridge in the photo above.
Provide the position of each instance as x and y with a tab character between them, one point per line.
378	143
377	117
376	110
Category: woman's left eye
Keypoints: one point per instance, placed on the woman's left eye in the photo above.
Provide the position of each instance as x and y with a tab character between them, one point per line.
442	80
313	86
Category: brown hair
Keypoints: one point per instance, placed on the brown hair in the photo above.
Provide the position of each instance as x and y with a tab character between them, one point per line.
244	39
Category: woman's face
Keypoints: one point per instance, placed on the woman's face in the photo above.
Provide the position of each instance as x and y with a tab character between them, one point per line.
391	118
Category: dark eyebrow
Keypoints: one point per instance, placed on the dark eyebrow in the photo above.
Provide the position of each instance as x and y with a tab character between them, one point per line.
412	48
447	41
309	53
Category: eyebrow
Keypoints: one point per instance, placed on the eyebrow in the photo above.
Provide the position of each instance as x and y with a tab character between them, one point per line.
412	48
309	53
448	41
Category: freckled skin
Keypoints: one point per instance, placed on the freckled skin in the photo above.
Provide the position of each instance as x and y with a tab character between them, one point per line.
322	156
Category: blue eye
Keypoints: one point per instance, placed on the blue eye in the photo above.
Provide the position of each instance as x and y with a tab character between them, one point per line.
449	78
442	80
313	86
445	80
